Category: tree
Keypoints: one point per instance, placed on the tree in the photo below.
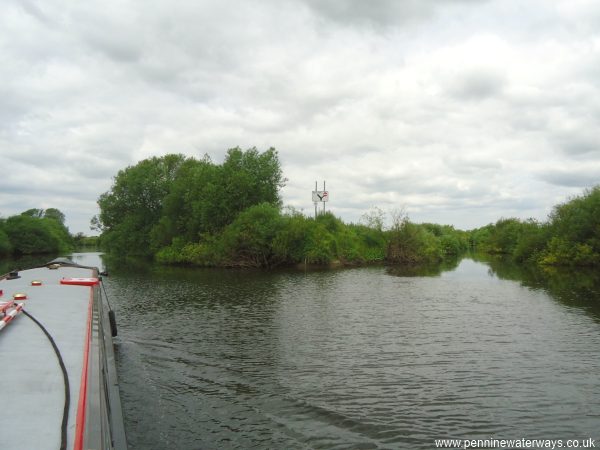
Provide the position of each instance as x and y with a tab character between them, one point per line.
29	234
374	218
34	212
246	178
55	214
133	206
162	199
5	246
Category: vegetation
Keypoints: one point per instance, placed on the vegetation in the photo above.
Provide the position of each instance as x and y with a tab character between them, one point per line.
186	211
173	200
181	210
34	231
81	241
410	243
570	237
264	236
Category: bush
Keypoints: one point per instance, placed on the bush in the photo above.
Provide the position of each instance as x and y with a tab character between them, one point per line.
247	241
5	247
531	241
571	237
30	235
410	243
291	241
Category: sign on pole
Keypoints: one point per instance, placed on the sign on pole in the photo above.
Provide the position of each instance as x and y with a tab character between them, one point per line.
320	196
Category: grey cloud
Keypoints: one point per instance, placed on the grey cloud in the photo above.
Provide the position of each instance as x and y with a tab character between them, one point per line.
477	84
380	12
467	164
580	178
581	143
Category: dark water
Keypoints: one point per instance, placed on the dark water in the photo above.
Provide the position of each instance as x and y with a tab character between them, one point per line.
360	358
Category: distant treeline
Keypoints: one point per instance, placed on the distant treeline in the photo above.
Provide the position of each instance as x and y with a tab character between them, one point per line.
187	211
39	231
570	236
181	210
34	231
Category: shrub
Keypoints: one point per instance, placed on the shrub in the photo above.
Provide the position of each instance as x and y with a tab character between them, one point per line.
247	241
410	243
5	247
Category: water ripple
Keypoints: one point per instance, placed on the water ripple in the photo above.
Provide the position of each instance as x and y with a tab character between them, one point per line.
351	359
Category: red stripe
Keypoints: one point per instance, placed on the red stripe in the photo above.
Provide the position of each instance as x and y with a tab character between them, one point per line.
81	406
6	306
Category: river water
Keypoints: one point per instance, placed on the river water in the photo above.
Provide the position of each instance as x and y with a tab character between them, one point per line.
355	358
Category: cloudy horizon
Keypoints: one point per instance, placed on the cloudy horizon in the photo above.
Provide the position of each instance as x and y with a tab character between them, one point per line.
460	112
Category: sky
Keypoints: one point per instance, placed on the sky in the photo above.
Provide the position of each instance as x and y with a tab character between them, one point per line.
456	112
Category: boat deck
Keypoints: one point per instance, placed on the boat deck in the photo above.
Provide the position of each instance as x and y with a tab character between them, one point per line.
33	394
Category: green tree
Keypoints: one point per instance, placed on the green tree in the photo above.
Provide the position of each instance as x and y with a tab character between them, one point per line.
575	230
29	235
246	178
247	241
5	246
134	204
173	200
34	212
55	214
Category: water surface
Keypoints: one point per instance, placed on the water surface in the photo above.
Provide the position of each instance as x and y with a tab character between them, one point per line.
359	358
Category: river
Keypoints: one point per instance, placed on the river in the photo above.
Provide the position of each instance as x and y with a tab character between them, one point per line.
354	358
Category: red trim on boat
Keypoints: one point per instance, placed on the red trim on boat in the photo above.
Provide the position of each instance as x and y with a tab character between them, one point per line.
89	281
82	404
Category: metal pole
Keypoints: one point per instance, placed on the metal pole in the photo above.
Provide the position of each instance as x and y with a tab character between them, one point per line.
316	189
324	191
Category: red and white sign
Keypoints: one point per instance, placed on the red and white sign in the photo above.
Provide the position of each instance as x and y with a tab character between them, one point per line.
320	196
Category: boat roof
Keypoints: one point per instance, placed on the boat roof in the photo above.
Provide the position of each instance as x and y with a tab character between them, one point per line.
34	395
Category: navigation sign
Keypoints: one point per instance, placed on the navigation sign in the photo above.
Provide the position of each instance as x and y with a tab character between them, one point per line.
320	196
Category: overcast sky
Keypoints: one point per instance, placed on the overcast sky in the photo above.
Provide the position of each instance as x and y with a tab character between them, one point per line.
459	111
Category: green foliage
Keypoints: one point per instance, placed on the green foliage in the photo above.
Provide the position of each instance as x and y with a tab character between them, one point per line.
327	240
80	240
162	199
133	206
321	246
31	234
34	212
453	242
247	241
291	242
263	236
55	214
561	251
504	238
410	243
531	241
5	246
372	242
571	237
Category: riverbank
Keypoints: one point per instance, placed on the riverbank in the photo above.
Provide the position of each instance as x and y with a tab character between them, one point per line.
570	236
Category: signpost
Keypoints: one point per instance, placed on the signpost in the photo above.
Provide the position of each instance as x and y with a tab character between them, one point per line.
320	197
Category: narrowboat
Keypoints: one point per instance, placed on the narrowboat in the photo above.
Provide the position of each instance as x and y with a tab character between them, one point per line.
57	367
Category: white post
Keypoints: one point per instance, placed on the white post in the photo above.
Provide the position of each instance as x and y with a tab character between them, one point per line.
324	191
316	189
